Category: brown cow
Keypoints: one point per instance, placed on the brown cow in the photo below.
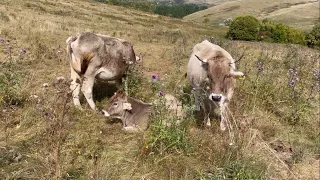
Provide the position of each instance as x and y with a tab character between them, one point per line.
97	56
212	73
135	114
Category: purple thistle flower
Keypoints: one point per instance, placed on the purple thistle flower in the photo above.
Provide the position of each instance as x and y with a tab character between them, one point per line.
154	76
292	83
261	68
23	51
161	93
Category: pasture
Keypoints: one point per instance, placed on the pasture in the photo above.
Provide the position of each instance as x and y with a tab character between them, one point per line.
274	113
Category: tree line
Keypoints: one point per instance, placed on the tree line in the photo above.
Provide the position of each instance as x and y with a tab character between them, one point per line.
176	9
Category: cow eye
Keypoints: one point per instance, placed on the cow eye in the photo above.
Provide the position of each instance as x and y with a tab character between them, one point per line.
115	104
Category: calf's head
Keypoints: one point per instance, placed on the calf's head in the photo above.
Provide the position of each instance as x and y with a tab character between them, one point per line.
221	75
117	106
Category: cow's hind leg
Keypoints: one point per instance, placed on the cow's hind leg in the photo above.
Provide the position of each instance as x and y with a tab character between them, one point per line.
75	87
87	86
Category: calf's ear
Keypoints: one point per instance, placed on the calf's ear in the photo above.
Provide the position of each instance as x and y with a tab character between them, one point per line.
127	106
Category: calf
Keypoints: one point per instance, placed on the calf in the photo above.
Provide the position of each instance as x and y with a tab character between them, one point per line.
212	72
135	114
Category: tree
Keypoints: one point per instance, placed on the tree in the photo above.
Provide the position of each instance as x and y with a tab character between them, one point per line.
313	38
244	28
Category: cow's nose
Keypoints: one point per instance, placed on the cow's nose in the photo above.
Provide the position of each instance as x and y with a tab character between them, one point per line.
216	98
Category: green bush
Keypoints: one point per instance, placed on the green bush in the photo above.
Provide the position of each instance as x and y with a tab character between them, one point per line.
244	28
280	33
313	38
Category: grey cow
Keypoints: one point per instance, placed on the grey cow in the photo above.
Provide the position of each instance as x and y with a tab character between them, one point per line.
97	56
212	72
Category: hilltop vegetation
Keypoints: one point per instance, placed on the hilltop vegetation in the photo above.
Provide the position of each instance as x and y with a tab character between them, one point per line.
273	115
300	14
176	9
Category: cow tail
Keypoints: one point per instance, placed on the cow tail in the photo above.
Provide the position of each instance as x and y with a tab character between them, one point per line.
69	49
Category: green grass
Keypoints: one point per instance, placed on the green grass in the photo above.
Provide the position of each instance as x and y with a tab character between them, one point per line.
45	136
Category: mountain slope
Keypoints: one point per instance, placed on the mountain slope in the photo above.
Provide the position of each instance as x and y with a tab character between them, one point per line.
296	13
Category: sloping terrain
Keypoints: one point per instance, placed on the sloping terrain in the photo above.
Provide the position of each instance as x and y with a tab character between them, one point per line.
296	13
42	135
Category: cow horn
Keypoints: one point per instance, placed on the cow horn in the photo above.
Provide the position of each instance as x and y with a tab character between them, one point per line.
203	61
238	59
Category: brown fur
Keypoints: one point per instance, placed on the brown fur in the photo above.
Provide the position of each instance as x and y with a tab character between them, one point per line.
86	59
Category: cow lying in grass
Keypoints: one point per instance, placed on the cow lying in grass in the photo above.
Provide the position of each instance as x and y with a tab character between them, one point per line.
135	114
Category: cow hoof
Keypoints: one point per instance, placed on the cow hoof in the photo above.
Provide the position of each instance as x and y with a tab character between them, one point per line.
79	107
222	128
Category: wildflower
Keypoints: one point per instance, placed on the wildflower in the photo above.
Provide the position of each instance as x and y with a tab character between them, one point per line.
139	59
1	40
292	83
23	51
261	68
161	93
154	76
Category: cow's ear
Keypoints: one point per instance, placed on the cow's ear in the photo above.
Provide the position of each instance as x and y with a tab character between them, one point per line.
237	74
127	106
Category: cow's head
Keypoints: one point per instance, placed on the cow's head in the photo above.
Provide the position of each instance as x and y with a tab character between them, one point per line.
221	75
118	105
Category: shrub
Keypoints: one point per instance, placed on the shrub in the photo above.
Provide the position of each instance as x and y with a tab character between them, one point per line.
313	38
248	28
228	21
244	28
206	20
280	33
11	92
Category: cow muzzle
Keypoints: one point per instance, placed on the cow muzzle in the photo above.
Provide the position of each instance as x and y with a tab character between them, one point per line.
215	97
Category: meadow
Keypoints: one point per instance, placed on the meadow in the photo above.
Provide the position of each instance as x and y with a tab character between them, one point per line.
274	115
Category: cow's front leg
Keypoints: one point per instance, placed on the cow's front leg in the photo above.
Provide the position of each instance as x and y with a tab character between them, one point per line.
75	87
119	83
197	100
86	89
207	120
224	116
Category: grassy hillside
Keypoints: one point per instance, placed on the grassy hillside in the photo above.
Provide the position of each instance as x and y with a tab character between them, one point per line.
42	136
300	14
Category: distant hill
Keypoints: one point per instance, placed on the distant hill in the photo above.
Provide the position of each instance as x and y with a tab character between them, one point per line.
300	14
